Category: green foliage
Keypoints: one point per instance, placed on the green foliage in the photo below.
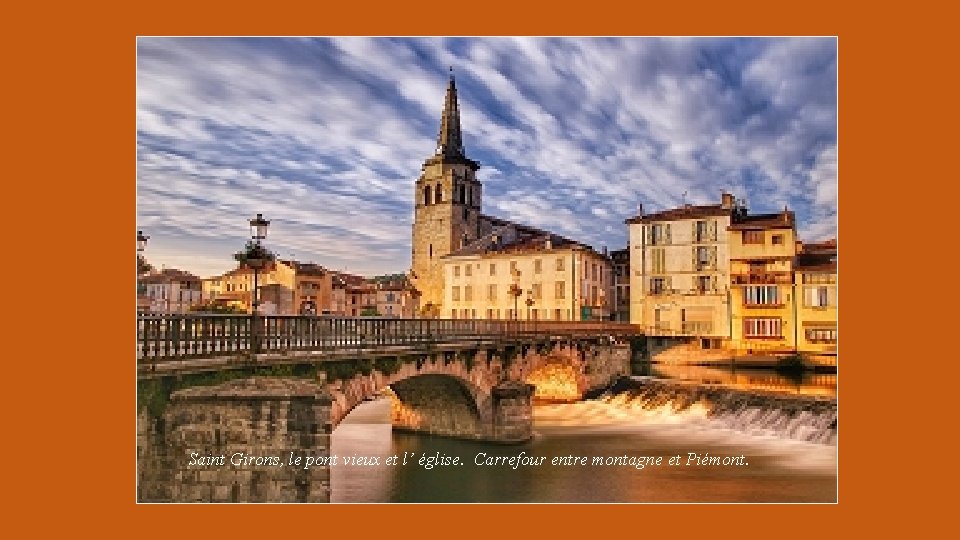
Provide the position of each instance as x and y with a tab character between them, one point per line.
388	365
254	252
155	394
369	311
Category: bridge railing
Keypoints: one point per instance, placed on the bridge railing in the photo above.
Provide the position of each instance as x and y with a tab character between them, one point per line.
167	337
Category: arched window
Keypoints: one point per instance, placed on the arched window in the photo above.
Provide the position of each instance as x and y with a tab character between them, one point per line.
426	195
463	194
431	251
469	200
439	194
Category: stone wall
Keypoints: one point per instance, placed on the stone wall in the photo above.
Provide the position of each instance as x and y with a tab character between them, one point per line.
238	436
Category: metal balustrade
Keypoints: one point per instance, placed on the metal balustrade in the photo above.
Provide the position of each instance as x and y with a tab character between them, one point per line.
169	337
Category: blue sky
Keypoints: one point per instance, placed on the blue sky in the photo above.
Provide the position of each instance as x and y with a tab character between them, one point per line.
325	137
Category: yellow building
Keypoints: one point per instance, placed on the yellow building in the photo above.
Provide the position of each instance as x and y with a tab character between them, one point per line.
235	288
762	300
816	284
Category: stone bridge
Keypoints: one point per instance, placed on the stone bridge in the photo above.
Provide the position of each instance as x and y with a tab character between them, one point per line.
271	402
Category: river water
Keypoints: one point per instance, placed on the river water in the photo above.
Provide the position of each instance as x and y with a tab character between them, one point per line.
786	458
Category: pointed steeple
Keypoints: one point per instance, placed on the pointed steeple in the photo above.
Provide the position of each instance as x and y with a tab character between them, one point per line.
450	140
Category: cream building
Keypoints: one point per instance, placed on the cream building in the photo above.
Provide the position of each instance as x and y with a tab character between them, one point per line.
679	264
523	273
464	262
816	285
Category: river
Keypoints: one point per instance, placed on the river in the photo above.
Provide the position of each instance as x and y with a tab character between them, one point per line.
787	458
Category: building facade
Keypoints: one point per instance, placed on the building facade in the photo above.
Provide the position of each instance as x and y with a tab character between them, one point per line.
679	267
621	284
170	291
540	278
762	297
815	279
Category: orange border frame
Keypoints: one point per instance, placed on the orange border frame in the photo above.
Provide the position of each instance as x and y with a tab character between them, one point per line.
73	102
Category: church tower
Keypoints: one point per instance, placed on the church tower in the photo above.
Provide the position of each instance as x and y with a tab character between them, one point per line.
446	206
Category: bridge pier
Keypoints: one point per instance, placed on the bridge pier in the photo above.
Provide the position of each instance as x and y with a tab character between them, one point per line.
232	443
512	412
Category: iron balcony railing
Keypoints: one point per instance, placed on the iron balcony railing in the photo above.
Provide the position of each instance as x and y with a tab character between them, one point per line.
168	337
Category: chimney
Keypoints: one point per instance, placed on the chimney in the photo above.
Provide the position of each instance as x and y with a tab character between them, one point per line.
726	201
639	209
603	250
548	244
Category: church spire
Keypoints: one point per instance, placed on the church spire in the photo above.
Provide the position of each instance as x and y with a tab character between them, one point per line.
450	140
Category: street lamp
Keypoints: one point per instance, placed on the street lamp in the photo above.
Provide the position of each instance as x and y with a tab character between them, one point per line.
529	302
141	241
515	291
255	257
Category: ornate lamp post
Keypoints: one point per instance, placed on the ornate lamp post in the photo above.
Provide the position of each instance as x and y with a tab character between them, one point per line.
141	241
255	257
515	291
141	262
529	302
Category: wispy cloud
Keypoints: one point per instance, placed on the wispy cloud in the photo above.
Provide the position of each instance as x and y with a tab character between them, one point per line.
326	136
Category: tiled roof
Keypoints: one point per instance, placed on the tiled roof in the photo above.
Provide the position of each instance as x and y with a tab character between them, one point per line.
510	237
688	211
780	220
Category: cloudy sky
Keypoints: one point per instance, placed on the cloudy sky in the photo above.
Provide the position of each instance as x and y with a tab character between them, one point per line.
325	137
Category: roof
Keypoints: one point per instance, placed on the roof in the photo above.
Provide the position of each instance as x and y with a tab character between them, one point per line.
687	211
169	275
817	257
758	222
510	237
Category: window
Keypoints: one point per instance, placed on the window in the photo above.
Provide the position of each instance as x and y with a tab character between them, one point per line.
426	195
763	328
537	266
493	269
559	291
704	284
761	295
557	314
490	314
391	297
537	290
468	293
702	258
594	268
468	270
777	240
491	292
456	271
819	296
438	194
821	335
659	234
753	237
513	267
658	285
453	314
456	294
431	251
560	264
701	231
658	261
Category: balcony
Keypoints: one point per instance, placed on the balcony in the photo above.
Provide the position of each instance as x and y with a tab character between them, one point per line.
697	327
770	278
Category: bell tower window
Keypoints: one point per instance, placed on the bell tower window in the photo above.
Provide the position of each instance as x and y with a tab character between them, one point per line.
439	194
426	195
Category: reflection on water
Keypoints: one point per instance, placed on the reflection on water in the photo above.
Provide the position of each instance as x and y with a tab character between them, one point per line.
778	470
805	383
